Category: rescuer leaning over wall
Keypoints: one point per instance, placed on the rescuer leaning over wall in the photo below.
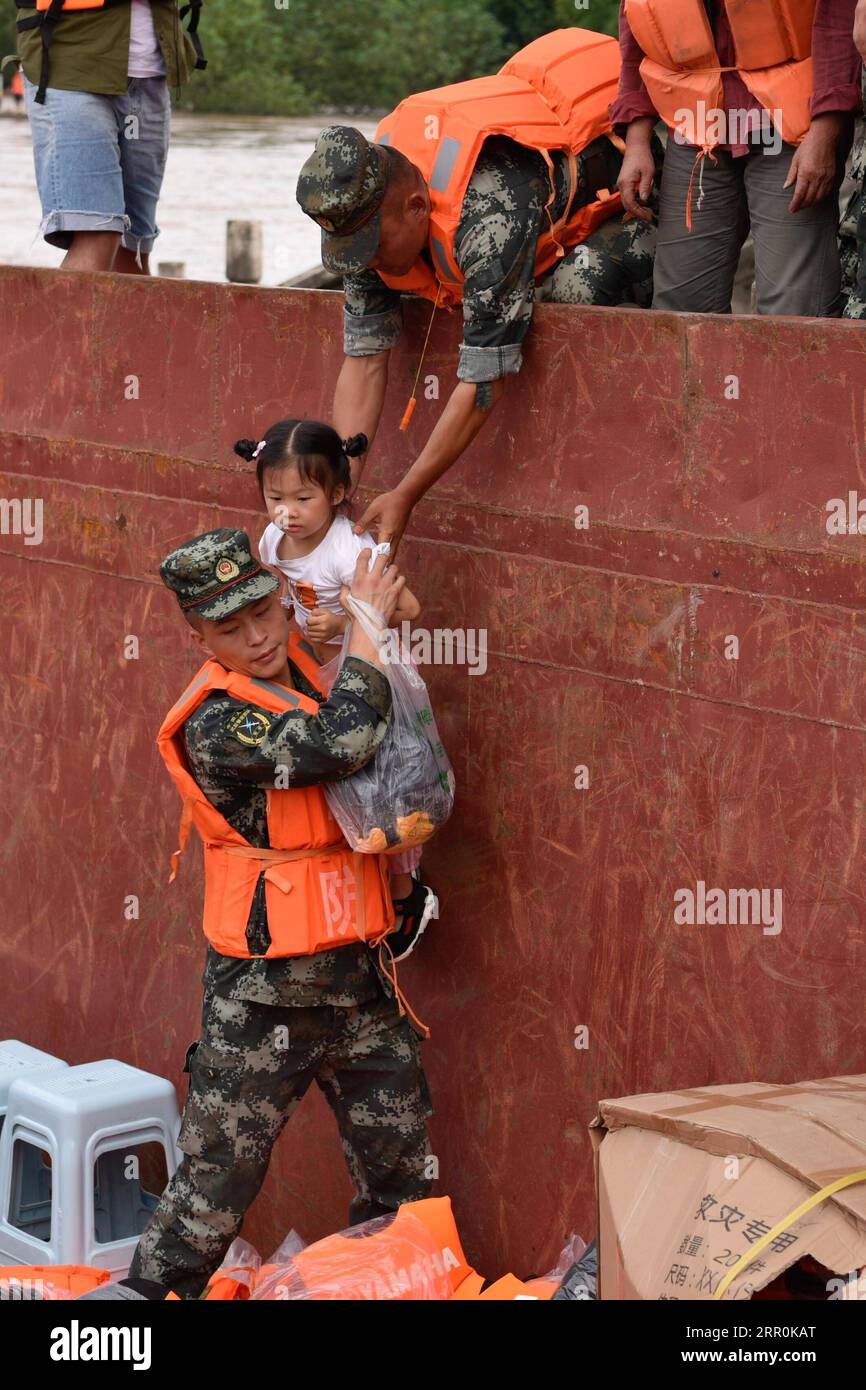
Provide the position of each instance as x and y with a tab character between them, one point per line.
485	195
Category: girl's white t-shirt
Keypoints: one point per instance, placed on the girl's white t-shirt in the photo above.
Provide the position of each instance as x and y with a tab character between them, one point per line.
315	580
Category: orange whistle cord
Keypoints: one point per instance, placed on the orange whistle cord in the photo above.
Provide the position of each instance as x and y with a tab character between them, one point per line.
413	400
403	1005
703	152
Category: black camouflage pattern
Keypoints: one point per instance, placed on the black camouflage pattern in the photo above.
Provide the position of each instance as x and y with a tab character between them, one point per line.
852	229
215	574
341	187
248	1073
503	213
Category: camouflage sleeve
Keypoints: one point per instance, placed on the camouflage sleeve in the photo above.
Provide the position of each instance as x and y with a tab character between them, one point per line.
229	743
502	214
372	317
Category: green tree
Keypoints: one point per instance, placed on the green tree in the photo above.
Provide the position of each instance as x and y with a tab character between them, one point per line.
523	20
8	38
350	55
398	47
249	67
601	15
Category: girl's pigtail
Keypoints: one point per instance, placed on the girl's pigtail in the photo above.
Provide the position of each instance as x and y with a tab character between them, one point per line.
357	444
246	448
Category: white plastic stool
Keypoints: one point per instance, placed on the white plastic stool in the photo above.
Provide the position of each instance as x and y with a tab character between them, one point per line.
18	1058
78	1128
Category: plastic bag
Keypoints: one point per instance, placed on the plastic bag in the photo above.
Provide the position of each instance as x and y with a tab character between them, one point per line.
407	790
580	1280
236	1275
379	1260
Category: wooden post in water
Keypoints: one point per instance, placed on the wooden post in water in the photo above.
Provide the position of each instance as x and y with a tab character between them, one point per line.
244	252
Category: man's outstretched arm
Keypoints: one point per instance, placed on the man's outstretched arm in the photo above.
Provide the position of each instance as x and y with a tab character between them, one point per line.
502	214
453	432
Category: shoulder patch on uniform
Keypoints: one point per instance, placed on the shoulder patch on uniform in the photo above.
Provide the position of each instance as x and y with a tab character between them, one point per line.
250	726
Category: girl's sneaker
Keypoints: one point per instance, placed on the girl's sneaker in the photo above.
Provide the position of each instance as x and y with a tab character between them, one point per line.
416	910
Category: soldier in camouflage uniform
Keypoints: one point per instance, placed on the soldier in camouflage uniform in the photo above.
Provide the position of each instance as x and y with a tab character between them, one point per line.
346	184
270	1027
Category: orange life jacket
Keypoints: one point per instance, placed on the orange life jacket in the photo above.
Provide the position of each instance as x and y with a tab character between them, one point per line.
552	95
681	69
318	893
59	1281
418	1250
224	1287
49	12
509	1288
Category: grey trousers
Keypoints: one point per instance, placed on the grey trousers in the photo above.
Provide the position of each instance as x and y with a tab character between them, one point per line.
797	268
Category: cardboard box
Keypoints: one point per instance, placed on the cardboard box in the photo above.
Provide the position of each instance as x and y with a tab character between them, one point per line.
689	1181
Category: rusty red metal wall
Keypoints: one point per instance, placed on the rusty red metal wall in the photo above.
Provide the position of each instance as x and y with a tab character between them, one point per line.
706	451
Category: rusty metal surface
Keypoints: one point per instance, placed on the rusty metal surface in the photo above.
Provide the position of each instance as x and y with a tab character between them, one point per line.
606	648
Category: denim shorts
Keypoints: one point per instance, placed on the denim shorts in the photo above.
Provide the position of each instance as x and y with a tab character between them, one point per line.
100	160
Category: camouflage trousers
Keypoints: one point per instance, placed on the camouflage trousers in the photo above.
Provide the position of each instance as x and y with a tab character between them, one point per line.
852	232
248	1073
613	266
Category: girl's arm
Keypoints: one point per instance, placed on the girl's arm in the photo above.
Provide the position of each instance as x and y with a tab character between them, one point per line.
408	609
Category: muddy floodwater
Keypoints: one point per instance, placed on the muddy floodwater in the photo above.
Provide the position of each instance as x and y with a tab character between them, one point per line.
219	167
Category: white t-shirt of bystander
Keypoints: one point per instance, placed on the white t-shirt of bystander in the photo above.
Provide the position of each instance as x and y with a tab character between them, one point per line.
315	580
145	55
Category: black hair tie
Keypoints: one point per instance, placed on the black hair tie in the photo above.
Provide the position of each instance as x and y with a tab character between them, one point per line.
355	445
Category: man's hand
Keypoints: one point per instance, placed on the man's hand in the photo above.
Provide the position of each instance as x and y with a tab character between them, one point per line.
389	514
637	175
375	586
813	168
860	29
322	625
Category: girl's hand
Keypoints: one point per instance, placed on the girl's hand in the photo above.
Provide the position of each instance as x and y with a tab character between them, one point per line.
322	625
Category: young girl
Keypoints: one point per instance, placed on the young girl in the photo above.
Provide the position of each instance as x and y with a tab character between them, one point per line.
304	476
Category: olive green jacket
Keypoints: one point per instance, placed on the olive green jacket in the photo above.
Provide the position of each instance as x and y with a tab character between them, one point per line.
90	48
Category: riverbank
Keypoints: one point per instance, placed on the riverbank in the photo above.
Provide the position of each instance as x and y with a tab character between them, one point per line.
219	167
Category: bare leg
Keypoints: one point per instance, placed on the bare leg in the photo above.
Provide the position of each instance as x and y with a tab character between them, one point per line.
91	251
401	885
126	264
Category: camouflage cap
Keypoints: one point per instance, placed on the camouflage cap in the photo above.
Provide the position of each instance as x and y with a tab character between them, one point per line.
341	186
216	574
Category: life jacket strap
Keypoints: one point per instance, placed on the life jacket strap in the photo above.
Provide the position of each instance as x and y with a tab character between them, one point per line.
182	836
45	21
273	857
192	30
573	186
698	168
554	227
